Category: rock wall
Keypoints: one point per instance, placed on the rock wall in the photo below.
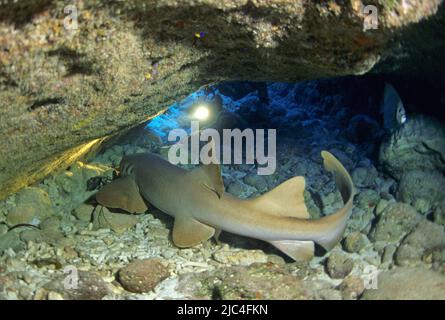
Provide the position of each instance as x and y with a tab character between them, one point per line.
63	89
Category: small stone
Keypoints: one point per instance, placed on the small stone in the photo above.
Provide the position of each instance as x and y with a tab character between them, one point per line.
381	206
258	281
50	224
352	287
21	215
3	229
41	294
364	177
143	275
11	240
330	201
74	182
397	220
275	259
31	203
424	238
89	286
84	212
236	188
256	181
338	265
367	199
329	294
355	241
25	292
417	145
438	259
48	236
118	222
422	189
388	253
439	214
408	284
70	253
360	220
240	257
54	296
168	254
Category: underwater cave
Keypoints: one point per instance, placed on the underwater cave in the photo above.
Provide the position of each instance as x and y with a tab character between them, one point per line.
148	163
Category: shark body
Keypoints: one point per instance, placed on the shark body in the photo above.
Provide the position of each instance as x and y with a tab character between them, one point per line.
201	208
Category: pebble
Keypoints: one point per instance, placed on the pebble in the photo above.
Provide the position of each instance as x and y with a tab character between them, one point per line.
256	181
408	284
240	257
90	286
32	204
338	265
381	206
355	241
118	222
83	212
352	287
236	188
143	275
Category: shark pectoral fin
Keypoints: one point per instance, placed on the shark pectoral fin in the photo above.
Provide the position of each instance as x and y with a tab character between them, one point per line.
287	199
297	250
122	193
188	232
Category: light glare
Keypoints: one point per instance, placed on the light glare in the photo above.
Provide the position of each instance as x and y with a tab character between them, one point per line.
201	113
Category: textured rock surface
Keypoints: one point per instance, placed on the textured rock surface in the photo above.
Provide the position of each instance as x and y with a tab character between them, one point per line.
408	284
244	258
32	205
88	286
118	222
424	190
420	243
418	145
396	221
143	275
258	281
338	265
63	89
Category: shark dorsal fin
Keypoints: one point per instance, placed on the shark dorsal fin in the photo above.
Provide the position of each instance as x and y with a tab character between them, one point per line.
188	232
122	193
285	200
210	176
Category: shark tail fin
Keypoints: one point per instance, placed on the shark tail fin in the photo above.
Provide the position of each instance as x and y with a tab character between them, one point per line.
335	223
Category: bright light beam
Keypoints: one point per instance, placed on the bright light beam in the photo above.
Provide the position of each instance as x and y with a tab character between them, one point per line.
201	113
